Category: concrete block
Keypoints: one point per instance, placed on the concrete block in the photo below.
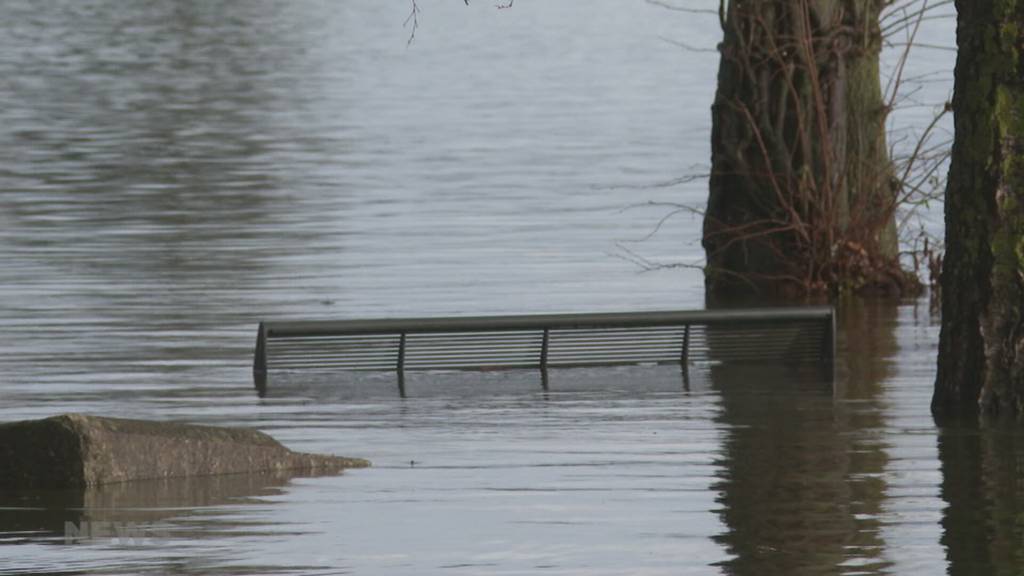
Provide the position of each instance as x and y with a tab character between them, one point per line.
74	450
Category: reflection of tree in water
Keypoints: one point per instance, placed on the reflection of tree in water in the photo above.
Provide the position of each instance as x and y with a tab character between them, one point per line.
983	487
801	490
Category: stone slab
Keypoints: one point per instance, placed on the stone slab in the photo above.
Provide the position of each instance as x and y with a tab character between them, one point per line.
75	450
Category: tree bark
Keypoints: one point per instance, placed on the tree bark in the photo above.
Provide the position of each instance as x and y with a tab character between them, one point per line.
981	346
800	170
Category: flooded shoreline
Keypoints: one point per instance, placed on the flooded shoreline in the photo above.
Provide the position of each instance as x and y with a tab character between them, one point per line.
173	173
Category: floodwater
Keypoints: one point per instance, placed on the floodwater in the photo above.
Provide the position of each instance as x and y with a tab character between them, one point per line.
172	172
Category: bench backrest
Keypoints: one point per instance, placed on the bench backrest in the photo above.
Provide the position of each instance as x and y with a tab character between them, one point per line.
791	335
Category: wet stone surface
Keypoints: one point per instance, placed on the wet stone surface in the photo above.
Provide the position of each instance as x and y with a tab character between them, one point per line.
73	450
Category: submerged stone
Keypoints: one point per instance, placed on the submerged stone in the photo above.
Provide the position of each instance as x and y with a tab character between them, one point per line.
50	516
75	450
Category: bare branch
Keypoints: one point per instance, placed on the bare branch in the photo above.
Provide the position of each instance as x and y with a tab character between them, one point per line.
676	8
664	184
414	16
685	46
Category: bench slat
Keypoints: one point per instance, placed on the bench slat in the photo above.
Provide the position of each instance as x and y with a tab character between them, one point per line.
549	340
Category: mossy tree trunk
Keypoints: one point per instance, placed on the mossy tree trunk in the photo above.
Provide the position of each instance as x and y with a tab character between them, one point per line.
802	194
981	347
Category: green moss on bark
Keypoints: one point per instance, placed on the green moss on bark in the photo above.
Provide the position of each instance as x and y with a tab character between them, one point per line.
981	360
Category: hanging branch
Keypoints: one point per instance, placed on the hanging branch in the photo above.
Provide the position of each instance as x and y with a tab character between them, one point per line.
414	16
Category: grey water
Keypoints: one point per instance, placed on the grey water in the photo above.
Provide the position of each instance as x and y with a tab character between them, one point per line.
173	172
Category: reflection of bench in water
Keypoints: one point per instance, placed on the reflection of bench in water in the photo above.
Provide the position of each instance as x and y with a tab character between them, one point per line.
772	335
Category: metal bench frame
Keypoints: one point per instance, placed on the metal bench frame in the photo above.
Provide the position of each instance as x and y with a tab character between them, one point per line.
791	335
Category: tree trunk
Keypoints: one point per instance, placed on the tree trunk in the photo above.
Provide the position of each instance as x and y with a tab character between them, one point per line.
801	192
981	347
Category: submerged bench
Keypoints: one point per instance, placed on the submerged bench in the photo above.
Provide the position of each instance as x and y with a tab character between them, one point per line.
786	335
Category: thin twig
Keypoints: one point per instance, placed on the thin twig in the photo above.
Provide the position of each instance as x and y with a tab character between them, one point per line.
677	8
414	16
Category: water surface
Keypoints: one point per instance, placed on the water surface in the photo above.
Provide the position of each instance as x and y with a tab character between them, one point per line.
173	172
